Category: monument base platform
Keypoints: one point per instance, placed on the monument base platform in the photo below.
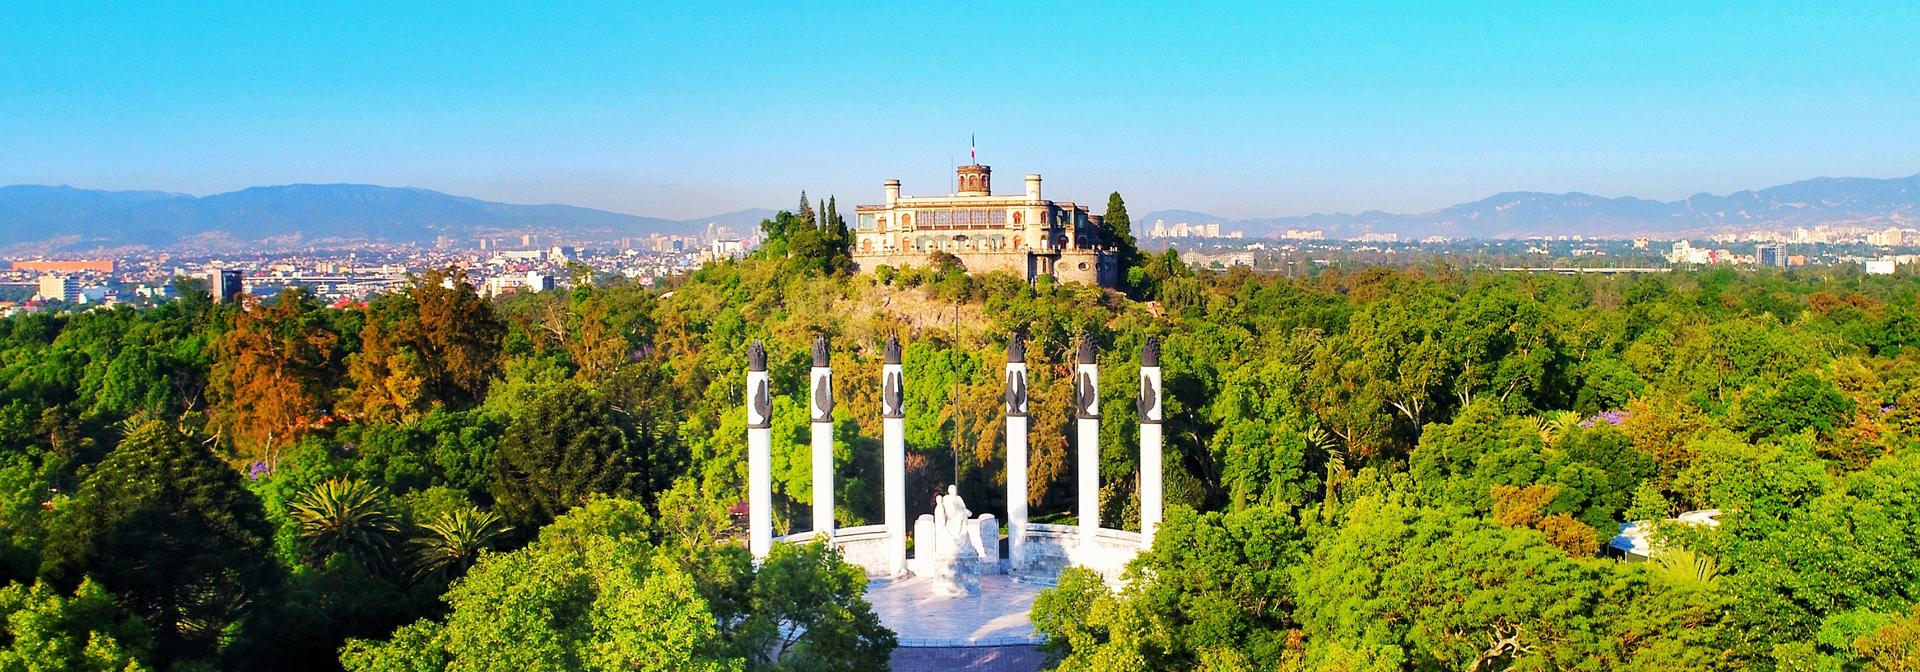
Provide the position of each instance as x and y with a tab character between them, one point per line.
921	616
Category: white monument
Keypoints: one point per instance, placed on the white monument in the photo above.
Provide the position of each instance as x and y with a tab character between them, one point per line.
959	545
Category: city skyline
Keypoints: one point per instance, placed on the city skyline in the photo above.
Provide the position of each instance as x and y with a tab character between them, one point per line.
1241	112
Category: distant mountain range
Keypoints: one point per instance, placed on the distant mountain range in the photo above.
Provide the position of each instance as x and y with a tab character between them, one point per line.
304	214
1826	200
64	218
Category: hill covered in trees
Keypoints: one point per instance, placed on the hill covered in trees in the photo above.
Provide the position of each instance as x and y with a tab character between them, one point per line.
1368	469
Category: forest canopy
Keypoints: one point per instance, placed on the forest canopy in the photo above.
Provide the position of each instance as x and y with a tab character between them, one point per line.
1414	468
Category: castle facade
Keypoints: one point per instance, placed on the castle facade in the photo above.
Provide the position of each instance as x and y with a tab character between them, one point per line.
1023	234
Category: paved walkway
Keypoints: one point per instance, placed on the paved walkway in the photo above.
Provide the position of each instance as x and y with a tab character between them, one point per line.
1025	658
998	616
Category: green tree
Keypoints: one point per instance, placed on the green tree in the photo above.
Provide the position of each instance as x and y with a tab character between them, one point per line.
454	541
564	449
348	517
808	614
166	526
1214	591
589	594
42	631
1803	402
1118	234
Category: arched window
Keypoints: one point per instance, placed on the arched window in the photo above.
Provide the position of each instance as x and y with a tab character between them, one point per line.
866	246
922	243
906	220
1017	217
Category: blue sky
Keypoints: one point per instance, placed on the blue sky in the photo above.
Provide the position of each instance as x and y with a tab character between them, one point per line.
687	109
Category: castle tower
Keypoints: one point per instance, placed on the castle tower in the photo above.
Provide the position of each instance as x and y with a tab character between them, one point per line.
976	180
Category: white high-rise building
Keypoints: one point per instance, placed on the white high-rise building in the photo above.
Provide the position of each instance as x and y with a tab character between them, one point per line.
59	288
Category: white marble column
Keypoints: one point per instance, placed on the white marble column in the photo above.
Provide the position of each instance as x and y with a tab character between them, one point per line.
1017	451
893	454
821	411
759	454
1087	410
1152	396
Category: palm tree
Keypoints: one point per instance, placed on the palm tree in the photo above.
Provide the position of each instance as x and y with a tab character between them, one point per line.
454	541
1558	424
1686	567
349	517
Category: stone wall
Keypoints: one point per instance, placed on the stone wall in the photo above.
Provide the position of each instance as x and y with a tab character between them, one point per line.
1094	267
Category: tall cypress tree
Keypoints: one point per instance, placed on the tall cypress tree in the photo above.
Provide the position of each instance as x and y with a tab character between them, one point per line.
1119	234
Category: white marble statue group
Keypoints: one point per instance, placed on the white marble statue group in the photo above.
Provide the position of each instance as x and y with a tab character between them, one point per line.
963	547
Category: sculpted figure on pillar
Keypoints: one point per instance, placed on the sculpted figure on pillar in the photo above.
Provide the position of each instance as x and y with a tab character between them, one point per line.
1149	401
891	405
822	389
1086	398
1016	396
759	399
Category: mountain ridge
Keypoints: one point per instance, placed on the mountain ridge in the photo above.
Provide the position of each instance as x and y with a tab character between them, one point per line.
1512	214
305	214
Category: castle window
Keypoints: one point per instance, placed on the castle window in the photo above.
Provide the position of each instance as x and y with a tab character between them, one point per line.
906	220
866	246
923	243
866	223
994	242
1017	216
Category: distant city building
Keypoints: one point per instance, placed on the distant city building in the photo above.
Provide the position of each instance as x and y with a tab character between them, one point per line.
1685	253
728	249
1881	267
1379	238
1023	233
79	266
227	285
1796	260
539	282
1891	237
1296	234
59	288
1771	255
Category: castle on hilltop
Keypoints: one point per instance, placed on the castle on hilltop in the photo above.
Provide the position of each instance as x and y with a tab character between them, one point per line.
1023	234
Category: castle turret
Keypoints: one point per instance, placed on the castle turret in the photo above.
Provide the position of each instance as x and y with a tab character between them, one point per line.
1033	187
976	180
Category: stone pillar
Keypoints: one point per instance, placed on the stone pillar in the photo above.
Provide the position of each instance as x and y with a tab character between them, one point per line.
1017	451
1086	399
759	454
821	410
1151	412
893	454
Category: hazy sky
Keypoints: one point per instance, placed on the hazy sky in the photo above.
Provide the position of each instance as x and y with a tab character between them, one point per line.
688	109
